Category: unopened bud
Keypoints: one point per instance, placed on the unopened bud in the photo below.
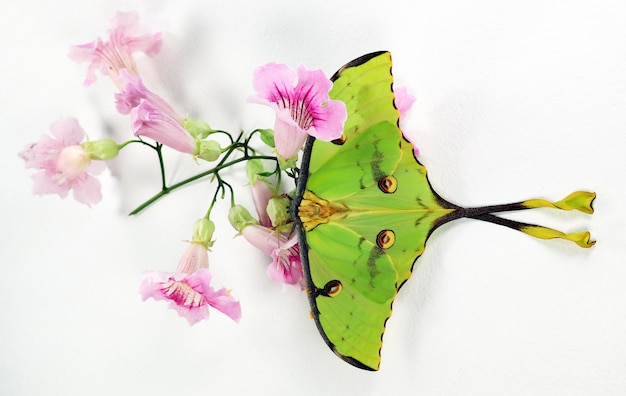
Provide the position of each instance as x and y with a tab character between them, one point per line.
209	150
239	217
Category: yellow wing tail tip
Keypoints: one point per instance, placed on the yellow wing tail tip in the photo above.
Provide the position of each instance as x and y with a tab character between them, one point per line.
582	239
578	200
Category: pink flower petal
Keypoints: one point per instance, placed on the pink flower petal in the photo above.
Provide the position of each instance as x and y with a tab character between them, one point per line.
44	184
286	266
273	82
189	294
127	25
173	288
218	299
403	100
133	91
288	136
115	54
261	195
301	109
67	131
261	238
195	257
88	191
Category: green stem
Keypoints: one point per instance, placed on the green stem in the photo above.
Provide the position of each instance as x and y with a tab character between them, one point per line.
224	133
220	166
217	190
126	143
159	150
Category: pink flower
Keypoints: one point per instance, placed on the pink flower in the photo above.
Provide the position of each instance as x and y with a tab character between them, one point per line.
404	101
125	38
301	109
188	289
286	266
151	116
64	164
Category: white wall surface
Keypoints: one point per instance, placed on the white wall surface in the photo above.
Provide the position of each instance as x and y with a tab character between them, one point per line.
514	100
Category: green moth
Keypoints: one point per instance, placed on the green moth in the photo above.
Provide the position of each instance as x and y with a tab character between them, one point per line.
364	209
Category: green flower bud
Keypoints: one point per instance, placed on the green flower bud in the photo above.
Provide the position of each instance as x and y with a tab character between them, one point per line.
209	150
278	211
103	149
239	217
197	128
203	232
253	168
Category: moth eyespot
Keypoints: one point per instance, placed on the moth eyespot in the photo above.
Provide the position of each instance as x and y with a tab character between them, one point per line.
333	288
340	140
388	184
385	239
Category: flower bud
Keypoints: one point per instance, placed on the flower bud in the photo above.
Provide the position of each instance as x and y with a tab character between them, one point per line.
239	217
278	211
197	128
103	149
253	168
209	150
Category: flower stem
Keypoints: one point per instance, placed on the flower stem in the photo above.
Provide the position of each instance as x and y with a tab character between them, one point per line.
158	149
212	171
126	143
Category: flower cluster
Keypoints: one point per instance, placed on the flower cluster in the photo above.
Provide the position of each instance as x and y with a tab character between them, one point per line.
68	161
270	233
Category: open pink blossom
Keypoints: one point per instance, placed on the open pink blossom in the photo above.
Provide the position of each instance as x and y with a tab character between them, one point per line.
125	38
63	163
286	266
152	116
188	289
302	107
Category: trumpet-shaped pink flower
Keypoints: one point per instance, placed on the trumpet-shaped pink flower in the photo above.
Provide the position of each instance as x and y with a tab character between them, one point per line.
151	116
64	164
115	54
302	107
286	266
188	289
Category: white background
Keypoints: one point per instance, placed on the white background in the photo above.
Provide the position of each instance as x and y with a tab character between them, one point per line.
514	101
